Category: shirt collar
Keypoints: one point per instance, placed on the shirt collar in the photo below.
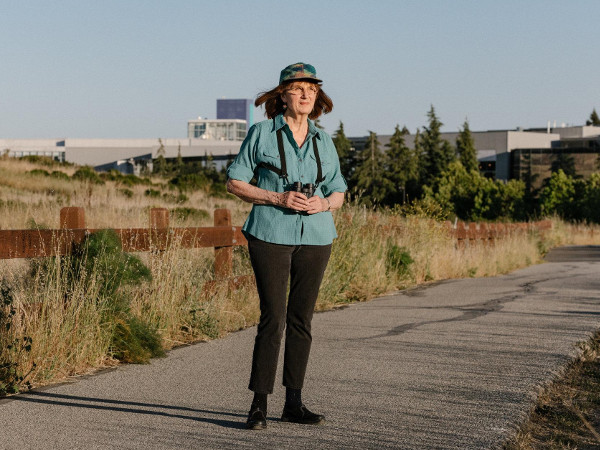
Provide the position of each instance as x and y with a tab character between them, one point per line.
279	123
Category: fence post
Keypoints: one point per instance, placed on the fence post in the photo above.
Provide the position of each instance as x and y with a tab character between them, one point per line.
159	218
223	255
159	226
72	218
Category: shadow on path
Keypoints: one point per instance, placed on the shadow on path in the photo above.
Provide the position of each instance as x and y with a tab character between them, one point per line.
577	253
132	407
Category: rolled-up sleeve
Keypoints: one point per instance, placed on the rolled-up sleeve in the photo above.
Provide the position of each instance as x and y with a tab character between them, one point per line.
334	180
244	163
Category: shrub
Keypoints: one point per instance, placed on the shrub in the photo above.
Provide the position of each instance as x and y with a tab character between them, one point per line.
190	182
190	213
179	198
125	180
59	175
204	323
99	260
472	197
41	172
87	173
12	376
101	256
398	260
126	192
152	193
42	160
591	199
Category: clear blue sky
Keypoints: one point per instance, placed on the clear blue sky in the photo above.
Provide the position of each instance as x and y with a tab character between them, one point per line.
143	68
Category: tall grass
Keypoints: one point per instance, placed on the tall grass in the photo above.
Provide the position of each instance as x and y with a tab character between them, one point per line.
75	326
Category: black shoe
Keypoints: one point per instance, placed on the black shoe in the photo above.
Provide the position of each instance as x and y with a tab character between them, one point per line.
301	414
257	419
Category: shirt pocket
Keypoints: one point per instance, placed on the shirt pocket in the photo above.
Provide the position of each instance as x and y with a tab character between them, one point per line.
271	156
326	165
268	170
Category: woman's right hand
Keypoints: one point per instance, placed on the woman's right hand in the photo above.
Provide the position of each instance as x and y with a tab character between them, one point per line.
293	200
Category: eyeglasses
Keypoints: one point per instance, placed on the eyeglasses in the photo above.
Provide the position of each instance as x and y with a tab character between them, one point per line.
309	91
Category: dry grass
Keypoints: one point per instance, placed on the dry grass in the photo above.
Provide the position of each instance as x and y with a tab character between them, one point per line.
68	325
567	411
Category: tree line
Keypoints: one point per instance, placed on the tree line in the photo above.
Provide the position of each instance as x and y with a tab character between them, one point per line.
435	175
444	177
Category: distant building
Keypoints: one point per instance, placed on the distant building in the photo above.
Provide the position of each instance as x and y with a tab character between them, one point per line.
49	148
242	108
125	155
217	129
502	153
536	164
218	139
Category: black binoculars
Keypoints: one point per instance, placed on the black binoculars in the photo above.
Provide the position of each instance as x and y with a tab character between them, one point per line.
307	189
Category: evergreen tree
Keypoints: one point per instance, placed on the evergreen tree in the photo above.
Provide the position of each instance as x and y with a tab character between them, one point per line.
466	149
368	178
448	153
436	154
594	119
418	152
400	168
179	161
160	167
565	162
344	151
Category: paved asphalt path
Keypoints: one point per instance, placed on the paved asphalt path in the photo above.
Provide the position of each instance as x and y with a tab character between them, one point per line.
449	365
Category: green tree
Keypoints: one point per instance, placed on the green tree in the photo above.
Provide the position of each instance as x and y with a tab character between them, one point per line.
368	179
400	168
344	151
437	153
565	162
594	119
471	196
558	196
465	147
591	199
179	162
160	167
418	152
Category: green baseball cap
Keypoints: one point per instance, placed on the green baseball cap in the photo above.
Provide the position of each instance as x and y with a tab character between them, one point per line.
297	72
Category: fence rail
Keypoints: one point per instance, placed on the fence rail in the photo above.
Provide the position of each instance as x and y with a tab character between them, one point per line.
463	231
223	236
159	236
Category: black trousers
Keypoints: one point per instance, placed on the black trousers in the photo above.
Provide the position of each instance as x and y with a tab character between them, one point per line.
273	266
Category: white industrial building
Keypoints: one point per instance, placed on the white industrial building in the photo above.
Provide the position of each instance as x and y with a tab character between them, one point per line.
218	139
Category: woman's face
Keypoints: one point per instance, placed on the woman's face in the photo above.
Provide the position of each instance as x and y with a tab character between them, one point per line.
300	97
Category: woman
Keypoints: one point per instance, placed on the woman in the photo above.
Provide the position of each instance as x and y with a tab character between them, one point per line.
289	232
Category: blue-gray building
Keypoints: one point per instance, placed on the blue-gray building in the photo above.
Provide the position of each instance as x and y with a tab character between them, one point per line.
241	108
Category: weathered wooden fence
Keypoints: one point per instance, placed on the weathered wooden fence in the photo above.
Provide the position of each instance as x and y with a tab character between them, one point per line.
223	236
159	236
465	232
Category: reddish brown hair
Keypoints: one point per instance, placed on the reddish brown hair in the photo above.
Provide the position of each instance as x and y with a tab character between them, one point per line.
274	104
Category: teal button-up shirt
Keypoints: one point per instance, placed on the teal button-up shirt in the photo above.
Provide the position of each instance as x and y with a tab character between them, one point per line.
281	225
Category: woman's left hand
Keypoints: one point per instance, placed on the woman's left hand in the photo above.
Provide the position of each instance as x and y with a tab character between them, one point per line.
317	204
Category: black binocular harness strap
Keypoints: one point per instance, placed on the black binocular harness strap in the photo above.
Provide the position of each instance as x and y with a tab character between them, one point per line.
283	171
